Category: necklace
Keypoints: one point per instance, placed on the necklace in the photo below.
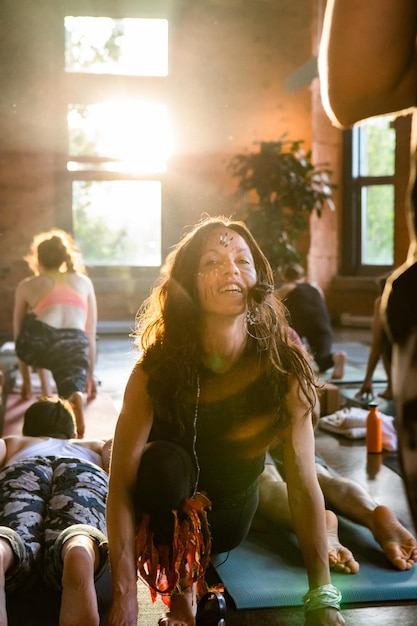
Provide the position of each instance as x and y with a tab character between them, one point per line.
197	404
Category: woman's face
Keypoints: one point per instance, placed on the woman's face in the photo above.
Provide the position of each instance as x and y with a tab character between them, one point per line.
226	272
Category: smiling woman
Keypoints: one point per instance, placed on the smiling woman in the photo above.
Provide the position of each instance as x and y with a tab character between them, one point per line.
226	273
218	380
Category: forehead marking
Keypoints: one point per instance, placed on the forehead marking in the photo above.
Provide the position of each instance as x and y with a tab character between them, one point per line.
225	240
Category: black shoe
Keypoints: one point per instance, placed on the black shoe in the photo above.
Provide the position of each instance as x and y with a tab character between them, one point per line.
211	610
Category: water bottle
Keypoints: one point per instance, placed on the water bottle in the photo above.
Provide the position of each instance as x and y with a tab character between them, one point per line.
373	429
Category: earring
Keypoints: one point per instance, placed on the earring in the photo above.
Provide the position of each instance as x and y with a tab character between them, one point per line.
253	317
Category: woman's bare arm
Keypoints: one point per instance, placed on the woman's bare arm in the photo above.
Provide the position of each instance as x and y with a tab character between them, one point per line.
304	493
307	503
131	435
367	59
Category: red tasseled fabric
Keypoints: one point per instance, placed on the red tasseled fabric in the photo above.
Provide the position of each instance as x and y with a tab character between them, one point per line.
162	567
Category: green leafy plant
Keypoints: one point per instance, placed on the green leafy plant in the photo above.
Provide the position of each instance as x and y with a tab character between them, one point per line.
289	187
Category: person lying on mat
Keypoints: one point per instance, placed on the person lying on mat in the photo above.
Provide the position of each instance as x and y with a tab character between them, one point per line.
217	382
53	490
346	497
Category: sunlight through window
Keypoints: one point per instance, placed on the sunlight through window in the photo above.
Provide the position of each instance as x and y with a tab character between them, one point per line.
103	45
118	222
134	136
114	142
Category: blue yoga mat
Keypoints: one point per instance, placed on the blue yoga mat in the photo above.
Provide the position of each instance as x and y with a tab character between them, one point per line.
354	375
266	571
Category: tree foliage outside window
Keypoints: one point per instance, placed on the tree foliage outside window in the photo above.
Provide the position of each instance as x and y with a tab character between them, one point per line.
117	223
378	225
128	46
373	169
376	147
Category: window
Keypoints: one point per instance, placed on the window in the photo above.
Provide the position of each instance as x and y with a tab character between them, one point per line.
369	197
102	45
118	145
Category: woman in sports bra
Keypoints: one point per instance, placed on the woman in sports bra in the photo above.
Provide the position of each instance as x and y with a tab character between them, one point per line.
53	490
55	319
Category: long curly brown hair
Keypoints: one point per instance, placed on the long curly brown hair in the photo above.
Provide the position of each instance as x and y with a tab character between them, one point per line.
168	327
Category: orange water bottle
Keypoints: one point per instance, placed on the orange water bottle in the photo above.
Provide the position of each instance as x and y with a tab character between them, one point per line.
373	429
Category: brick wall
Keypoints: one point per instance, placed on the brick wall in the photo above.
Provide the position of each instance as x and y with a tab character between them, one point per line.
228	88
229	62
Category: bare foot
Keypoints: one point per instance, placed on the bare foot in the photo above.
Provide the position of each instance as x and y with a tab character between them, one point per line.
339	361
182	610
341	559
387	394
399	545
79	599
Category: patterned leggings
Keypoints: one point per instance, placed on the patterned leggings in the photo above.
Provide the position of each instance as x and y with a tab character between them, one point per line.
44	501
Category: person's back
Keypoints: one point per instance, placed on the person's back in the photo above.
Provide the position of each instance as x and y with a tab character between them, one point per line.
58	299
308	311
52	511
49	429
55	319
310	318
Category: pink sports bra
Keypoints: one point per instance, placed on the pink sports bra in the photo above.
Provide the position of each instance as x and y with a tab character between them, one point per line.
61	293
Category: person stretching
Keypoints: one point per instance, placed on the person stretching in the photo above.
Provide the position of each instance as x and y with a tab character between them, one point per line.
53	490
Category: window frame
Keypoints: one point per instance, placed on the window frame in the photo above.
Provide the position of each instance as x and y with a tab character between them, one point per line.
351	240
89	89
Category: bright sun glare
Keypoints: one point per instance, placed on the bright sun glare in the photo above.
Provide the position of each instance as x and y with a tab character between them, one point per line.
137	134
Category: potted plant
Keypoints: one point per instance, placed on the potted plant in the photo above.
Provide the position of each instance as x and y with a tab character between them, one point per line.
280	188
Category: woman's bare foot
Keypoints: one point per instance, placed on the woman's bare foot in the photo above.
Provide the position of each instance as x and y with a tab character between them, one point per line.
387	394
79	599
339	361
341	559
182	611
399	545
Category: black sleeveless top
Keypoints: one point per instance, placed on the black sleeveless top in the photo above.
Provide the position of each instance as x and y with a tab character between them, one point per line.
233	422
